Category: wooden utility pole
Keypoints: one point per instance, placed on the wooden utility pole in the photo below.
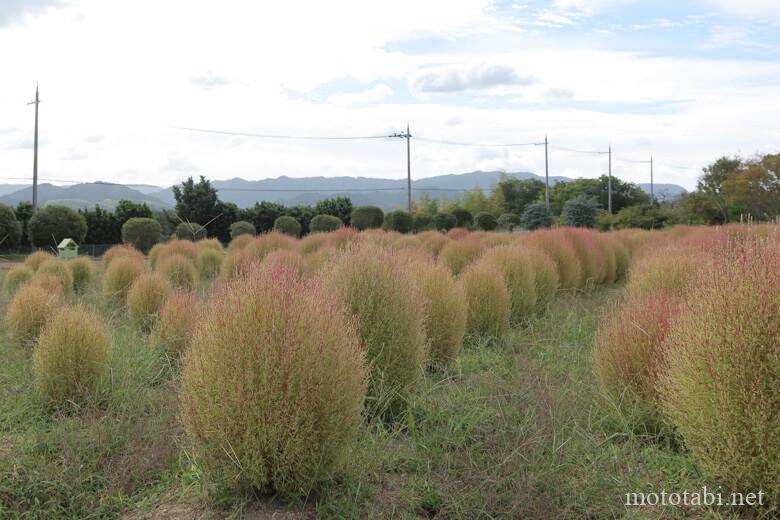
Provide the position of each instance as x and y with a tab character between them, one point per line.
652	191
609	182
546	175
408	169
35	153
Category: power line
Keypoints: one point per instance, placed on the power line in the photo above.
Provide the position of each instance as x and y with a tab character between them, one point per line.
572	150
479	145
280	136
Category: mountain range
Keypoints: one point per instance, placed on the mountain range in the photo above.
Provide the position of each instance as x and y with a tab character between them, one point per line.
386	193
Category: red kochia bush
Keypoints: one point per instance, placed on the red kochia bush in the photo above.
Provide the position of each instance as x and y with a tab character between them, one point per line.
560	248
274	383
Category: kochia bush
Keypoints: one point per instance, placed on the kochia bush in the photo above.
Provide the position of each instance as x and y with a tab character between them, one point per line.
518	271
83	270
72	354
287	225
367	217
445	311
277	361
376	290
141	233
242	227
488	301
119	276
36	259
721	379
209	262
16	277
121	251
58	268
325	224
458	254
176	322
146	297
180	271
560	248
28	312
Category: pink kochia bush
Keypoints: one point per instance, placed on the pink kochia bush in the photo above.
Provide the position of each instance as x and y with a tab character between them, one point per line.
274	383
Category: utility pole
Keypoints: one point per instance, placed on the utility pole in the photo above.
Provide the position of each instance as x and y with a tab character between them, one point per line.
35	153
609	183
546	175
408	169
652	191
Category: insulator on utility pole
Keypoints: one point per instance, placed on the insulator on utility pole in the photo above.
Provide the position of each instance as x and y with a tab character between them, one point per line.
35	153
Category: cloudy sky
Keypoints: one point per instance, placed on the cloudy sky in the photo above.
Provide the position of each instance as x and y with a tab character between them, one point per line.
684	80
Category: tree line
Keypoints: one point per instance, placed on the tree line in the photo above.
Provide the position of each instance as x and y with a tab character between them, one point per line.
730	189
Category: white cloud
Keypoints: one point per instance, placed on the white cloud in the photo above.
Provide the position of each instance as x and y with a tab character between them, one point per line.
374	94
460	78
752	9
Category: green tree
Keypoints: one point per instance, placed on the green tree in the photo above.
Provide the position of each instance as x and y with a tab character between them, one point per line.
399	220
288	225
367	217
242	227
509	221
711	182
23	215
262	215
515	194
486	221
536	216
51	224
580	211
102	226
340	207
475	201
303	214
445	221
197	202
463	217
141	232
755	187
644	216
10	227
324	224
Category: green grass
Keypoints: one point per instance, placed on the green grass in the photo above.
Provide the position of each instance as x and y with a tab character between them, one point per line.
513	430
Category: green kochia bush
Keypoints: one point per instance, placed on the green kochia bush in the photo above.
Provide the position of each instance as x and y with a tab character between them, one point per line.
367	217
141	233
190	231
518	270
72	354
287	225
325	224
242	227
58	268
398	220
273	383
83	270
485	221
387	304
488	301
16	277
721	381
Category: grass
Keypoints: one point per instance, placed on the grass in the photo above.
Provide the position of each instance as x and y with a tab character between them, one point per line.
518	430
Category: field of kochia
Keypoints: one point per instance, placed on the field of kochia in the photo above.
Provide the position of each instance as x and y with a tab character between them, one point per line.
362	374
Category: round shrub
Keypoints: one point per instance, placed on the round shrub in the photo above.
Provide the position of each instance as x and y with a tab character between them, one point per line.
668	268
485	221
268	242
10	227
276	359
324	224
242	227
312	242
82	268
589	253
509	221
185	248
240	242
176	322
118	278
209	262
342	237
284	258
211	244
72	355
536	216
36	259
48	282
238	262
580	211
444	221
15	278
316	261
145	298
487	298
28	312
722	371
628	353
373	284
560	248
398	220
190	231
463	217
518	271
547	280
288	225
422	222
433	241
180	271
58	268
52	224
141	233
458	254
367	217
445	311
123	251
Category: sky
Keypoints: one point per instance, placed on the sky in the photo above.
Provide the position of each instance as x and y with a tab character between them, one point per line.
685	81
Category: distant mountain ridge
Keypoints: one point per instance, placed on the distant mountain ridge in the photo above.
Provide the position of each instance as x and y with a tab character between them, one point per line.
386	193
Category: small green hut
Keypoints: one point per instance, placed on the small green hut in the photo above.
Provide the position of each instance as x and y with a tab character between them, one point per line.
68	249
